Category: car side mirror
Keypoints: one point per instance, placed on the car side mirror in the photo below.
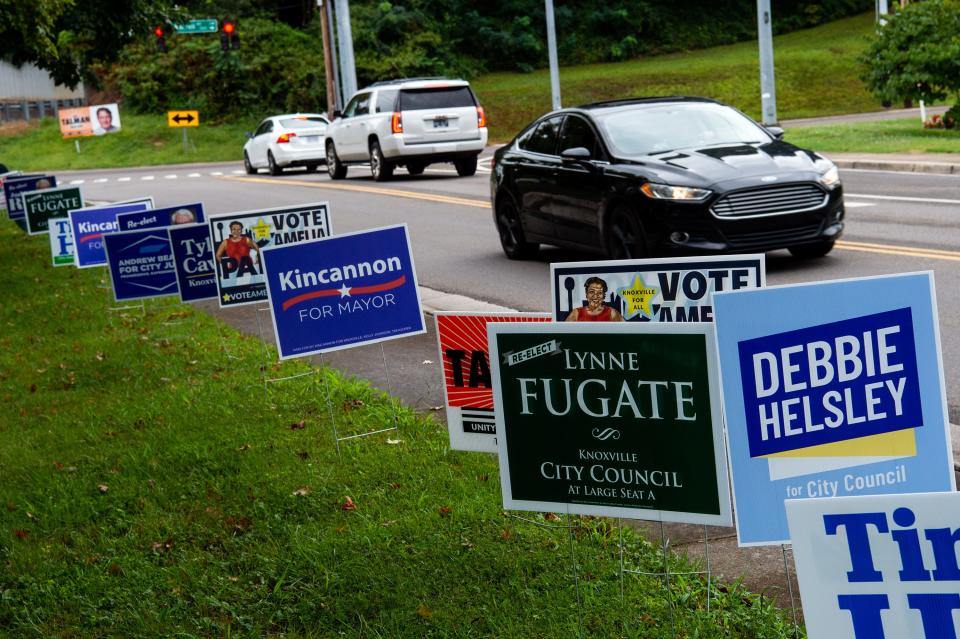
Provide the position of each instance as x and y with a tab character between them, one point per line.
337	114
248	135
776	132
576	154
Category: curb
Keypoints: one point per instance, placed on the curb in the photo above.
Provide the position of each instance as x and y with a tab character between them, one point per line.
903	166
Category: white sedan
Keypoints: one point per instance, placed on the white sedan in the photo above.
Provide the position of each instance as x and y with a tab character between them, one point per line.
283	141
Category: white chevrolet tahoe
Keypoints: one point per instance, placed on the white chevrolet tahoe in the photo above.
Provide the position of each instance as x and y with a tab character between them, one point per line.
412	123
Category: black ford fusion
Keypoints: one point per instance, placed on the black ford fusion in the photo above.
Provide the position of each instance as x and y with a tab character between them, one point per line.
639	177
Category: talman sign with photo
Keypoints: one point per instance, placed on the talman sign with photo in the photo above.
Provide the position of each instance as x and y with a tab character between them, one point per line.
468	388
878	567
831	389
240	238
656	290
343	291
612	419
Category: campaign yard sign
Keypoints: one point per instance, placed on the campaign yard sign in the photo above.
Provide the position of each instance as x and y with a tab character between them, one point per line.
90	224
61	242
193	260
831	389
614	419
9	175
878	567
40	206
467	386
678	289
240	238
159	218
141	264
343	291
14	187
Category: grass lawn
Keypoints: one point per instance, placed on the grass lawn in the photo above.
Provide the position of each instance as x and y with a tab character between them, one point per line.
901	136
150	487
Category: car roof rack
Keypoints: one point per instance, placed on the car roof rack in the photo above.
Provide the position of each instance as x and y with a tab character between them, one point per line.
403	80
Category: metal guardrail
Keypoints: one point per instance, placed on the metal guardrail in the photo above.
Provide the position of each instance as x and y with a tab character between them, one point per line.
28	109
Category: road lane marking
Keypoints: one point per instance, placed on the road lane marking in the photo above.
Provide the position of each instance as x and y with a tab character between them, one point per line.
898	198
217	173
147	177
77	182
124	179
169	177
194	175
100	180
901	173
415	195
857	205
903	251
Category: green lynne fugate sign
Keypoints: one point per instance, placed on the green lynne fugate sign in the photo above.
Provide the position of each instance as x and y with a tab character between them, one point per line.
620	420
40	206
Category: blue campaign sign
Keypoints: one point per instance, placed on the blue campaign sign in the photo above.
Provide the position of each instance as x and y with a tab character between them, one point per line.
159	218
193	259
141	264
90	224
13	187
831	389
343	291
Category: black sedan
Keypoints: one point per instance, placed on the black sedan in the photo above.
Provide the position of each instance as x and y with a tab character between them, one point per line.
632	178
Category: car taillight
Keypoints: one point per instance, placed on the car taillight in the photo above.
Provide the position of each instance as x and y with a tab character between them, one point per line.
481	118
396	123
285	137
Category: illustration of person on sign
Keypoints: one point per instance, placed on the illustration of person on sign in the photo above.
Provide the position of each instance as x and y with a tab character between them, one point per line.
236	248
595	310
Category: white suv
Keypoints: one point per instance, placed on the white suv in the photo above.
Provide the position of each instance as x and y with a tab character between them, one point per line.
411	123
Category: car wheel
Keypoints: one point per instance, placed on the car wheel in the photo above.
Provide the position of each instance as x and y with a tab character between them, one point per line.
515	246
624	235
311	168
415	168
272	164
380	168
466	168
807	251
335	168
249	168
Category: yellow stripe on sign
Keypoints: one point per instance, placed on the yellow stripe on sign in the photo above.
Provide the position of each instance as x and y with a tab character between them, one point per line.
415	195
183	118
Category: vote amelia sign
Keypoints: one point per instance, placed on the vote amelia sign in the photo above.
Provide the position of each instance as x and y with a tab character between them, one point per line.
619	420
878	567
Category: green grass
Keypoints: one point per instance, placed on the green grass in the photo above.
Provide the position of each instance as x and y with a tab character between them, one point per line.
815	69
150	487
901	136
143	140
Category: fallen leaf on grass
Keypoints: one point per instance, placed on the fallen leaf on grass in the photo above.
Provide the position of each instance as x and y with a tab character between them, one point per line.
162	546
394	441
20	533
304	455
115	570
348	504
483	477
299	425
389	522
57	465
444	511
424	611
341	529
505	535
100	356
103	488
239	524
395	485
351	404
551	517
233	579
243	448
33	388
303	491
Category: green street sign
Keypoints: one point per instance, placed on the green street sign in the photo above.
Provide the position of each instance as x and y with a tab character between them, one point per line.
197	26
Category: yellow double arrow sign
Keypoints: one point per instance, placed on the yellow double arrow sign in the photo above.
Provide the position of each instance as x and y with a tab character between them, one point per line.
183	118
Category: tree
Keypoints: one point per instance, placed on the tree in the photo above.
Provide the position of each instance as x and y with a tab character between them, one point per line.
916	55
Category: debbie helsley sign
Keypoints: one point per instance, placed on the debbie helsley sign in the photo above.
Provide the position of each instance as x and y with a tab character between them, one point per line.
159	218
610	419
240	238
40	206
61	242
831	389
89	225
343	291
193	259
468	390
658	290
141	264
878	567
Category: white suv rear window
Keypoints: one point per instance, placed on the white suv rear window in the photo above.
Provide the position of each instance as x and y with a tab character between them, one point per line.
436	98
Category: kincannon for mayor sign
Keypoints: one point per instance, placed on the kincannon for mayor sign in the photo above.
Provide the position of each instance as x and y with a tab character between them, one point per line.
621	420
831	389
239	238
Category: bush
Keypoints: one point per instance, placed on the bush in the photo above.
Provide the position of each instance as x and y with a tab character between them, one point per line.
276	69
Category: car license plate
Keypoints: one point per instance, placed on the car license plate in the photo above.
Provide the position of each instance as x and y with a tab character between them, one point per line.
441	123
311	139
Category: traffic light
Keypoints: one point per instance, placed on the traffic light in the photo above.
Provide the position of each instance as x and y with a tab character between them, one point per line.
160	33
229	37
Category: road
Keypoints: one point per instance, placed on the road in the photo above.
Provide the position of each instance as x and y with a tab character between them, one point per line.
896	222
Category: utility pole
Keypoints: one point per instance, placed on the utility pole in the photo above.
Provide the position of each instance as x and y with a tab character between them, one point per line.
327	59
768	85
348	69
331	26
552	55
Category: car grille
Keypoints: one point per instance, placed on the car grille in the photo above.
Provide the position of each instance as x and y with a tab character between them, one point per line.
778	237
773	200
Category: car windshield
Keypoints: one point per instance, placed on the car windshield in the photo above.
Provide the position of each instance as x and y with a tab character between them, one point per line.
303	122
650	129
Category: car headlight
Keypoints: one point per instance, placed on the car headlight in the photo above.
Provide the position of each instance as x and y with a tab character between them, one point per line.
668	192
831	177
